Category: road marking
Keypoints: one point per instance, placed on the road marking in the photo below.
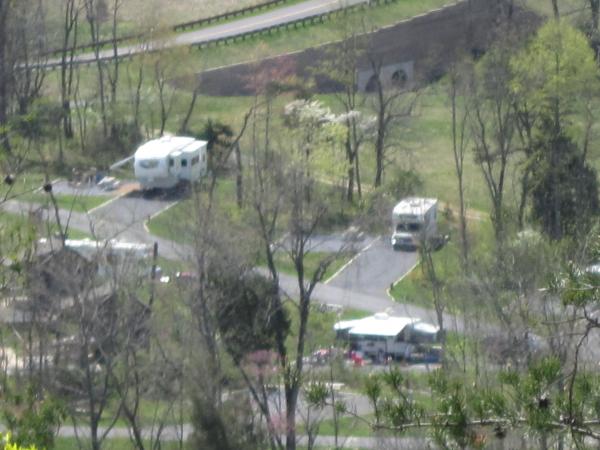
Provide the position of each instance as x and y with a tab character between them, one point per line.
56	180
152	216
108	202
388	291
351	260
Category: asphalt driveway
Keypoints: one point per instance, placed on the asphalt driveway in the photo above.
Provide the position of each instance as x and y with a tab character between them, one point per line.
375	268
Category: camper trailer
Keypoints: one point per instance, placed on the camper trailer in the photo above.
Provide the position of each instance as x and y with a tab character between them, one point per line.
414	220
382	336
165	162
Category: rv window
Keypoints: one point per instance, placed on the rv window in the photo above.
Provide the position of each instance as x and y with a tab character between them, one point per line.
412	227
184	163
149	164
195	160
171	162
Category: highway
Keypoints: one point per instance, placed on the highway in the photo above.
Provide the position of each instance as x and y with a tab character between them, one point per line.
277	17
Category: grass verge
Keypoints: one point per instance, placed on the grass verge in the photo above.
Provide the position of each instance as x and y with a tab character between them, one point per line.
285	41
76	203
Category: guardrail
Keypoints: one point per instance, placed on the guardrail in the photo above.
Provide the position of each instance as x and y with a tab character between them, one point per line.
227	15
294	24
268	30
177	27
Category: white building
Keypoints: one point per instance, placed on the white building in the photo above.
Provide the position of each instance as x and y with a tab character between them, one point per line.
381	336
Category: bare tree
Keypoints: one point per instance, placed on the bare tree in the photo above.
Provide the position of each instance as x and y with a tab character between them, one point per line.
287	211
392	100
113	75
493	127
29	44
165	97
72	9
5	74
94	22
341	66
460	110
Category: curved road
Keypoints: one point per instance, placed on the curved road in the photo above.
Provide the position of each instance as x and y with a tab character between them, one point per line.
280	16
124	219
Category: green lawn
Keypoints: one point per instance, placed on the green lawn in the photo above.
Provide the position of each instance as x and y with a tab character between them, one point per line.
76	203
63	443
415	289
311	263
21	221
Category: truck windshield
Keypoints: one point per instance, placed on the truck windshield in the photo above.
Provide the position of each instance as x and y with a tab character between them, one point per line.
149	163
410	227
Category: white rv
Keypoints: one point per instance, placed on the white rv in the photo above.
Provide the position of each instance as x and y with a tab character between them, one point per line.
164	162
415	221
382	336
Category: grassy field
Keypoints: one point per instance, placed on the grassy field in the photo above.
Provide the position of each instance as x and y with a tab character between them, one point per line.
311	263
76	203
415	288
21	221
64	443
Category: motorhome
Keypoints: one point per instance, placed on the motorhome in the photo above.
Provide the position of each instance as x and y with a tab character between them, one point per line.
165	162
382	336
415	221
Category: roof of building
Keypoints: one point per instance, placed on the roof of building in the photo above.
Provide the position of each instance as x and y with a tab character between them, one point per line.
416	206
161	147
382	324
89	248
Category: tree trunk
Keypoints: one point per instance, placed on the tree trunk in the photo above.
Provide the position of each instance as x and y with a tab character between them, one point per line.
555	11
379	142
188	114
595	8
458	150
239	191
350	158
381	130
66	65
523	199
94	33
4	77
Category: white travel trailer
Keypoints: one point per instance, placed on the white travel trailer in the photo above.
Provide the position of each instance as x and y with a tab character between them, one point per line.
382	336
414	220
164	162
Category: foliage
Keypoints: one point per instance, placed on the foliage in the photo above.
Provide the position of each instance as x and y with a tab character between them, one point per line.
33	418
557	69
462	414
554	78
565	190
251	317
8	444
377	204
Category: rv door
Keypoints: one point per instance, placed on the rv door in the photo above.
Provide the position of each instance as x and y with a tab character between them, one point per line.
174	161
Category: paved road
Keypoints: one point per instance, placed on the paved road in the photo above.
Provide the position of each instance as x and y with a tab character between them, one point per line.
123	219
375	269
174	433
276	17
